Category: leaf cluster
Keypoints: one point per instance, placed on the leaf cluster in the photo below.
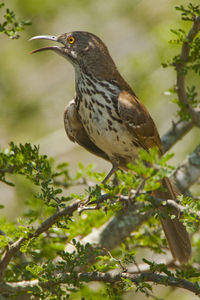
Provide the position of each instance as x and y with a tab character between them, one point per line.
10	26
26	161
189	13
183	67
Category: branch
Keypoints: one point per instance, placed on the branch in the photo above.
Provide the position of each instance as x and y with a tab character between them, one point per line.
23	286
14	247
180	128
184	58
120	226
189	171
175	133
114	232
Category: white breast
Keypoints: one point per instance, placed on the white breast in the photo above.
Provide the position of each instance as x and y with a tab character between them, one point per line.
99	114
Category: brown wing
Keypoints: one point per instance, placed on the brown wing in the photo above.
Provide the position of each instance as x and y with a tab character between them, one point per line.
138	121
76	132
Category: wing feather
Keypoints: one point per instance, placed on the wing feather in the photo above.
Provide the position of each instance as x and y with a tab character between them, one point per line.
138	121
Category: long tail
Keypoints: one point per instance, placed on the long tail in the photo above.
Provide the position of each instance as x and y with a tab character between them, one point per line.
176	234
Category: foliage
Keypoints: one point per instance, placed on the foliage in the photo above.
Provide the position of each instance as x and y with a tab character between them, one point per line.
191	13
10	26
188	13
46	257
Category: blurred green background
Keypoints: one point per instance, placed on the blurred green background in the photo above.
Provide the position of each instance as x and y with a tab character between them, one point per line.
34	89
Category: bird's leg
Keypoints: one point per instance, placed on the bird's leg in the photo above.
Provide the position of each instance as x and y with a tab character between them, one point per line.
114	168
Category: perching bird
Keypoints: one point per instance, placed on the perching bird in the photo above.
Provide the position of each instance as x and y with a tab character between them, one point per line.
107	119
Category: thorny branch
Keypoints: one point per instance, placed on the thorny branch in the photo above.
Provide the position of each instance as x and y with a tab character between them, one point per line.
184	57
23	286
14	247
180	128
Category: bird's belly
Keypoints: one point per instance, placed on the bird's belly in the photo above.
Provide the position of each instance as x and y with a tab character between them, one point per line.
107	131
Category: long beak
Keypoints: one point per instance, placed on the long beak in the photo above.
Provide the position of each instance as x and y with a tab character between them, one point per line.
46	37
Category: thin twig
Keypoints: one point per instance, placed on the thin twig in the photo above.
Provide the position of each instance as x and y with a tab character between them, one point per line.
66	185
124	269
86	208
145	268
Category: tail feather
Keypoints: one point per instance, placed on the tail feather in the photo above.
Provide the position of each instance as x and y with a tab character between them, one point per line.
176	233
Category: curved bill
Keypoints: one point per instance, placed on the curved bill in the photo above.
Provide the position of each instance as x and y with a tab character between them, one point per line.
45	37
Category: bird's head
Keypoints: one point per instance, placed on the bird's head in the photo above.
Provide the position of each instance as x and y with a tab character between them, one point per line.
82	49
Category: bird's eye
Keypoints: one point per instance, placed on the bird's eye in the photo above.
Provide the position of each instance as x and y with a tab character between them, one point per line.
71	39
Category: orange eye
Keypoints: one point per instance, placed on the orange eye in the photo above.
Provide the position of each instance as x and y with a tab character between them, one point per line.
71	39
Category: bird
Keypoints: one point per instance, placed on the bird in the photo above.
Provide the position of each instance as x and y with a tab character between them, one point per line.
107	119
